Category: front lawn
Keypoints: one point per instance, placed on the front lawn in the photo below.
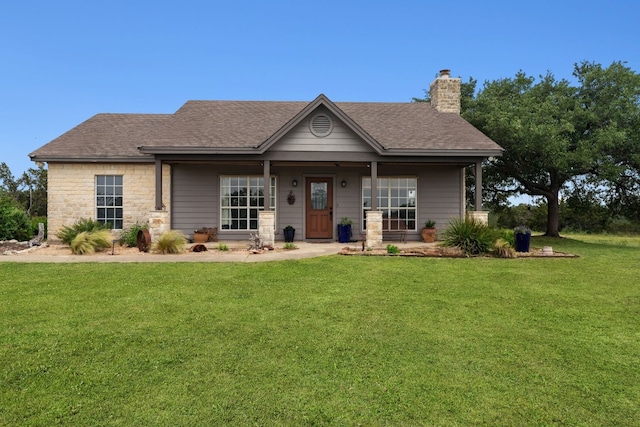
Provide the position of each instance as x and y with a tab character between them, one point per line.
326	341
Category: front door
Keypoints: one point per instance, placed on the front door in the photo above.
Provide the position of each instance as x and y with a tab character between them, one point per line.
319	206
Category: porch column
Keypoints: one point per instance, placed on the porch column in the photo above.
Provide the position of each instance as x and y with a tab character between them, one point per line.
267	227
374	229
478	214
374	216
267	217
158	184
267	185
478	202
374	186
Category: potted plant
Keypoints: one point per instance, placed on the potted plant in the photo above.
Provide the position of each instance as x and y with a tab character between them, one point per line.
289	233
429	232
522	238
344	230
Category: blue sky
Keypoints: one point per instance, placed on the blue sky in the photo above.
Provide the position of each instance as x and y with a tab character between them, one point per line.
64	61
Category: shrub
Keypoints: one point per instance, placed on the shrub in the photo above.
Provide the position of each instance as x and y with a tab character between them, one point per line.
68	233
470	236
129	236
14	222
170	242
88	242
392	249
289	246
223	247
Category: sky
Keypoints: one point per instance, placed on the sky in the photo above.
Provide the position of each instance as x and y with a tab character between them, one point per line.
65	61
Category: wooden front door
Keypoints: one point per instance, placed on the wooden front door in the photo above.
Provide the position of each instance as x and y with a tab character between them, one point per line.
319	207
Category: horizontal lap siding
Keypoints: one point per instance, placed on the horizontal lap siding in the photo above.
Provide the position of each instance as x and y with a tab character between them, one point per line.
341	139
195	197
439	197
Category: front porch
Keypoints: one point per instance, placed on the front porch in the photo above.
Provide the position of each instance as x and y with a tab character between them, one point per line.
312	197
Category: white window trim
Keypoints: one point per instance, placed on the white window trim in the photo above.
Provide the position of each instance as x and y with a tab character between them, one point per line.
222	208
389	208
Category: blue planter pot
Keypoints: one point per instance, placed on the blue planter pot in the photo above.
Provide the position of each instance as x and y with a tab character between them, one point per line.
522	241
344	233
289	234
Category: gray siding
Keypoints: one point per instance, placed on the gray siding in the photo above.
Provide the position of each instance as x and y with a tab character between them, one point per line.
196	188
341	139
195	196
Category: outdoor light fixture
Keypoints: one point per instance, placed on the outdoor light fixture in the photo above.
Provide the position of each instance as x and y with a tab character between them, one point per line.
343	183
294	183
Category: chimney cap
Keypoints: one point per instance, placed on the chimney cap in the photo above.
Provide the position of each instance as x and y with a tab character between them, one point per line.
445	73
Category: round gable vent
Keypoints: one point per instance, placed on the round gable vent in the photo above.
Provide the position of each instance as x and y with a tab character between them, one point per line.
321	125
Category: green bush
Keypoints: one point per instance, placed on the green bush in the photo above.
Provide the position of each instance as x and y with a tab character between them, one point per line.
392	249
223	247
170	242
88	242
470	236
68	233
129	236
14	222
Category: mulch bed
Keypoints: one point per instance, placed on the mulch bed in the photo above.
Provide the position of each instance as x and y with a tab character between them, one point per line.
446	252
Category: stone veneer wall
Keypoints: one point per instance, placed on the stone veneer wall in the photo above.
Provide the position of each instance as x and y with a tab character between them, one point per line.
374	229
445	94
266	224
72	191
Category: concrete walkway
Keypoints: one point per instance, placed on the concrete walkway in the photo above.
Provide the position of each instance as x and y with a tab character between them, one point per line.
305	250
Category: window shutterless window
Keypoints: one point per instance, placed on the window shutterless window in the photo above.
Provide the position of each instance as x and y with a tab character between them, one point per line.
241	199
397	199
109	200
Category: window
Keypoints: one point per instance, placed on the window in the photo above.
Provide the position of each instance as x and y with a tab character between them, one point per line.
241	199
109	200
397	199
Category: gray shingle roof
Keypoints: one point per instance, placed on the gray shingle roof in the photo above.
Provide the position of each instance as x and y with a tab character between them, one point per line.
248	125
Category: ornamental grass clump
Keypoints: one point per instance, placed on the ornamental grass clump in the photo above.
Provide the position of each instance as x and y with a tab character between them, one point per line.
69	232
88	242
470	236
503	249
170	242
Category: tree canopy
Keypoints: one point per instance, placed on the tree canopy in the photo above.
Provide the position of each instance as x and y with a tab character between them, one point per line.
21	199
556	133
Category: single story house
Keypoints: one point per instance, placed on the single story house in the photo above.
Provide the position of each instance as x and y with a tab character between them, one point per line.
244	166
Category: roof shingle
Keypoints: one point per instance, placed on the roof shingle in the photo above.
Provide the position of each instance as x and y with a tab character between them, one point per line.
248	124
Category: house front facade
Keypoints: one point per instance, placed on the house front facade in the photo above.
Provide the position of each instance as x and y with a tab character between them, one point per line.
258	166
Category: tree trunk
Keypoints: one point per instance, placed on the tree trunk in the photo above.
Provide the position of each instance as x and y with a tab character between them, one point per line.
553	214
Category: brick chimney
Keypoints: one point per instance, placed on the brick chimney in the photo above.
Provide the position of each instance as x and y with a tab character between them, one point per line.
445	93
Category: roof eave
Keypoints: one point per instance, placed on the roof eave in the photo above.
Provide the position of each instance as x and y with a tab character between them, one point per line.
488	152
90	159
144	149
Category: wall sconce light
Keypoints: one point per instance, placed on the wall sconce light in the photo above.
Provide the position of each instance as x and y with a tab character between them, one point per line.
343	183
294	183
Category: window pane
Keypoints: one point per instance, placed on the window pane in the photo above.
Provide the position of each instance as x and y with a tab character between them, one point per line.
318	195
246	195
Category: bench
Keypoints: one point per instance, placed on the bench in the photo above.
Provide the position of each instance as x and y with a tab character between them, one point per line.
394	227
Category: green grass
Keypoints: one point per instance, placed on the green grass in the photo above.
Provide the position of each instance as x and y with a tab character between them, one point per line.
326	341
